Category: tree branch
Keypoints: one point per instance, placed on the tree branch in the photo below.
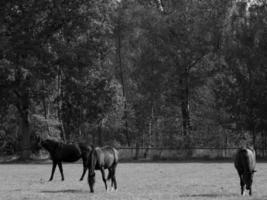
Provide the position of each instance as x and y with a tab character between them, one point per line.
196	61
159	5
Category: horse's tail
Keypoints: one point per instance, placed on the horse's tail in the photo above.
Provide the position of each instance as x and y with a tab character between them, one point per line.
116	156
116	159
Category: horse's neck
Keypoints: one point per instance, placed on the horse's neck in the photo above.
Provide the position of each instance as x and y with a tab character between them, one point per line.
56	146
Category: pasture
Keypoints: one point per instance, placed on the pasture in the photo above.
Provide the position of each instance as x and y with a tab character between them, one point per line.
136	181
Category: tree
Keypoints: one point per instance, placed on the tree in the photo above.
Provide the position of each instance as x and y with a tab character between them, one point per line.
24	57
38	40
241	85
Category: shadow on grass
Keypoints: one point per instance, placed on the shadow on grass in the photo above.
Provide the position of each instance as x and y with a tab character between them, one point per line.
64	191
211	195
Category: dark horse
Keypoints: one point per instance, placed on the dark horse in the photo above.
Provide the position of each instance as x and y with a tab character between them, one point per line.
60	152
101	159
245	162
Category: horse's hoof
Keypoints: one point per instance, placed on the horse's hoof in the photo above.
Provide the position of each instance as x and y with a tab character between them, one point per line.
80	179
50	180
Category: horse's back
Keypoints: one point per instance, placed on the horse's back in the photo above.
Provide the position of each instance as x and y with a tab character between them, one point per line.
69	152
112	151
245	160
108	156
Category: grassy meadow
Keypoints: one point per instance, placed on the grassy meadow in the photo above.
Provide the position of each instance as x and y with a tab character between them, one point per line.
136	181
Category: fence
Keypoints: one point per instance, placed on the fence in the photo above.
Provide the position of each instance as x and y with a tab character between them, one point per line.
181	154
165	153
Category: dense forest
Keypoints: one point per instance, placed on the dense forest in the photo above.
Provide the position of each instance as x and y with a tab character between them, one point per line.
138	73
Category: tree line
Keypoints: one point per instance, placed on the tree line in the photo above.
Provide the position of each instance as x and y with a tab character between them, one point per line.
161	73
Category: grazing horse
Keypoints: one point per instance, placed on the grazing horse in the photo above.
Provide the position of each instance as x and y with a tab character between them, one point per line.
245	162
101	159
60	152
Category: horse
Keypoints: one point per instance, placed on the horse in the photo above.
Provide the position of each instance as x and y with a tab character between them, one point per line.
60	152
101	159
245	162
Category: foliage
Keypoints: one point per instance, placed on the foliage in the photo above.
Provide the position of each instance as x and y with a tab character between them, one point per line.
144	73
241	88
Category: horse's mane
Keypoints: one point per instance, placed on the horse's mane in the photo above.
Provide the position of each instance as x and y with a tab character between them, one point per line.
51	145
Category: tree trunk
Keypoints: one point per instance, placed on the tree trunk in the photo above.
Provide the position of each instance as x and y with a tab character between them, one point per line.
251	106
157	139
150	127
184	84
23	108
262	144
45	107
265	143
59	111
25	143
100	135
126	132
226	143
121	74
136	151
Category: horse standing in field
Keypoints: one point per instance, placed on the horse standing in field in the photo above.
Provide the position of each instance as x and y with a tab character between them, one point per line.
245	162
60	152
101	159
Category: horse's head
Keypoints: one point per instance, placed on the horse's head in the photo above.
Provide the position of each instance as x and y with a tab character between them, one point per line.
92	159
91	181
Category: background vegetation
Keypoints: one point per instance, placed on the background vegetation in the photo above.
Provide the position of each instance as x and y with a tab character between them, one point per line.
148	73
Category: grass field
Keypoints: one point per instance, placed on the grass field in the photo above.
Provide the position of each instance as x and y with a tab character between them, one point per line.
136	181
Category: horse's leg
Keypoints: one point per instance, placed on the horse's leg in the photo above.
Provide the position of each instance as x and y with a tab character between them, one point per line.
114	177
91	182
104	177
242	184
110	172
84	157
61	170
53	170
